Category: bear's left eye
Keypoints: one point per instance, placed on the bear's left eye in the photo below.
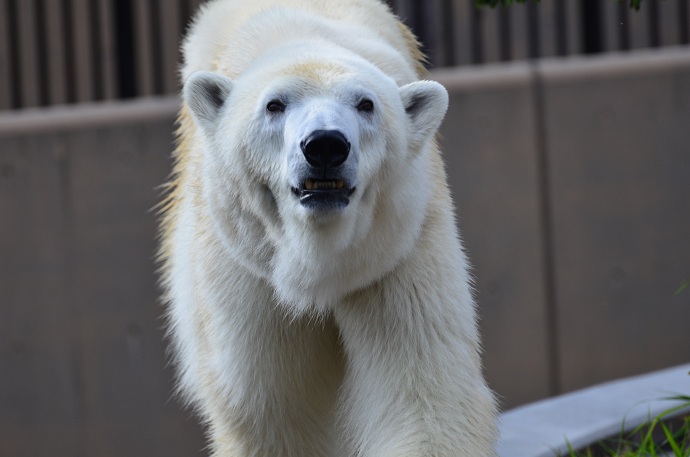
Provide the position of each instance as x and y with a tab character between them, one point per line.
275	106
365	106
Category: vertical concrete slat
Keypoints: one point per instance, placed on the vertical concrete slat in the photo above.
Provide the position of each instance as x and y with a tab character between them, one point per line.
573	15
171	32
639	27
491	34
403	9
684	18
519	48
56	44
610	26
143	46
83	50
461	32
27	49
195	4
617	147
6	80
669	26
547	29
439	26
489	146
108	49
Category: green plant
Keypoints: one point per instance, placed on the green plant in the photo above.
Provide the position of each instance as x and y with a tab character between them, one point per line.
658	437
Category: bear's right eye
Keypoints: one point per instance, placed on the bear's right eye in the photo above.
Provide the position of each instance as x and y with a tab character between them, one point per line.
275	106
365	106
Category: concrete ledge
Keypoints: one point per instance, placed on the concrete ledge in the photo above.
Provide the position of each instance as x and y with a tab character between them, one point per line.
647	62
89	115
611	65
490	76
584	417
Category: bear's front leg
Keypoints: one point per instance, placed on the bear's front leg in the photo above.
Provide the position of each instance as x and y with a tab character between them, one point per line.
265	382
413	385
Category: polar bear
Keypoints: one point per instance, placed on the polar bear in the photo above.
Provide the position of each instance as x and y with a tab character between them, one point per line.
319	302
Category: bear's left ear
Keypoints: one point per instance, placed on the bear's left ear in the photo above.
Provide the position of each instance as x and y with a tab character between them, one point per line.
425	103
205	94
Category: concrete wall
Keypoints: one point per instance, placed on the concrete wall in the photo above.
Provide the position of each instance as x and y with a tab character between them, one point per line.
82	369
571	180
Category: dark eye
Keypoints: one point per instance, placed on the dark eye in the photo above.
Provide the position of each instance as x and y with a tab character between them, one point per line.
366	106
275	106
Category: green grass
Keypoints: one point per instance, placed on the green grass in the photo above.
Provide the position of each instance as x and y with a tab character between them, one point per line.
659	436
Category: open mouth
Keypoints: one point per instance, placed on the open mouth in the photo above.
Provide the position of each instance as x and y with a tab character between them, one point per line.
324	193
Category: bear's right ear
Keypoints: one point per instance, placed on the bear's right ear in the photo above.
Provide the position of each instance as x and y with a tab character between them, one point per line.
205	94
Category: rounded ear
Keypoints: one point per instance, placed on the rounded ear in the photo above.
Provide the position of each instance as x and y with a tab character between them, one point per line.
205	94
425	103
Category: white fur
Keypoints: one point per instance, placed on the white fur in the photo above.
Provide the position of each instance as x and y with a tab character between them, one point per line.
343	333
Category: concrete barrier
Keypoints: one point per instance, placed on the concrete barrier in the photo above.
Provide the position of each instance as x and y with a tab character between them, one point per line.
583	418
571	179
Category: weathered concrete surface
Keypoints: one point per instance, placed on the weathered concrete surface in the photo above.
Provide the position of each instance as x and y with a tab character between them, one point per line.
544	428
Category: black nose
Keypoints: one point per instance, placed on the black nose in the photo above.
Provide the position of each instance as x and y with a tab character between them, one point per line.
325	148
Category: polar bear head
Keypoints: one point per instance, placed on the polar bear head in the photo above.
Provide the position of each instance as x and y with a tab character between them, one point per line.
315	167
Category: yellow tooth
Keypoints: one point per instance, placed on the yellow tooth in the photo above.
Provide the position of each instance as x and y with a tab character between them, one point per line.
310	184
